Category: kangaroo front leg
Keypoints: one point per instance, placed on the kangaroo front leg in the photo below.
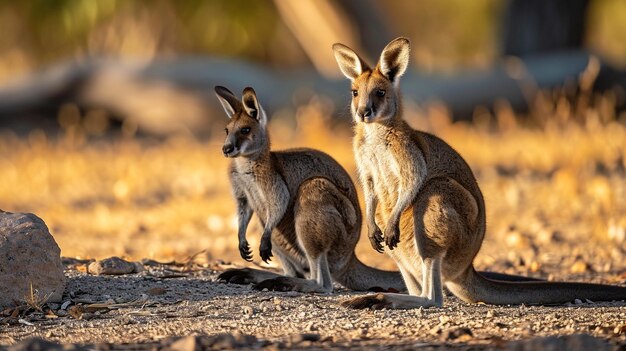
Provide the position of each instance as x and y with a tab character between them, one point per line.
371	201
392	230
276	208
273	218
244	213
410	176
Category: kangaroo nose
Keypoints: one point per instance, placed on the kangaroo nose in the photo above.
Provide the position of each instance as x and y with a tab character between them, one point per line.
366	113
227	149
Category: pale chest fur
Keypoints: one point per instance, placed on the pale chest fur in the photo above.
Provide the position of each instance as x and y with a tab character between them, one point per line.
258	187
394	165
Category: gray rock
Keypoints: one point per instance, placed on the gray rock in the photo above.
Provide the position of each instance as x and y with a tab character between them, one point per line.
112	266
29	256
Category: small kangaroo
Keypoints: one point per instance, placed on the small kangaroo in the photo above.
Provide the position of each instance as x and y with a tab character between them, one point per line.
307	205
429	204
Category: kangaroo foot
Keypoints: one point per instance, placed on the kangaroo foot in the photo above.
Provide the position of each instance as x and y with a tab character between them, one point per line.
244	251
266	249
376	239
289	284
391	301
374	302
277	284
245	276
236	276
392	236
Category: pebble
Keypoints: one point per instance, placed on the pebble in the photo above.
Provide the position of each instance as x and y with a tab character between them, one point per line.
111	266
247	310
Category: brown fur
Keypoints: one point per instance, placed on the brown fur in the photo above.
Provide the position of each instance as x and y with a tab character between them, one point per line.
426	199
306	202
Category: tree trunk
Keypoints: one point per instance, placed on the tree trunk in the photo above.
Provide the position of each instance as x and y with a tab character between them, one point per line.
536	26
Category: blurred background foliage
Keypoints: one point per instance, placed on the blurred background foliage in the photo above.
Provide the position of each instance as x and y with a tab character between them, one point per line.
110	158
446	35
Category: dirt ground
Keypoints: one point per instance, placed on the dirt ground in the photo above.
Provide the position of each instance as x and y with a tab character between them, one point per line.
169	300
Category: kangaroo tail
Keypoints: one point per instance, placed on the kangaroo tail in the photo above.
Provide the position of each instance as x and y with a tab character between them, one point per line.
473	287
358	276
508	277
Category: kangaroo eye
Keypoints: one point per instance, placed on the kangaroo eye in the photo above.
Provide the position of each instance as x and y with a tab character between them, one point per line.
245	131
380	93
226	130
355	93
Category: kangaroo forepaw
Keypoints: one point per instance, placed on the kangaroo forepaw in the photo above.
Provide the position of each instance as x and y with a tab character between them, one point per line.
266	249
376	239
375	302
236	276
244	251
277	284
392	236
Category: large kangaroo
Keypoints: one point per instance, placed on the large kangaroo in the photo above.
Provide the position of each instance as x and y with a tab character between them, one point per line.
429	204
306	202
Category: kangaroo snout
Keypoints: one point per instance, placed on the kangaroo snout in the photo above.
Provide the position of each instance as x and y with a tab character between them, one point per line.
228	149
366	114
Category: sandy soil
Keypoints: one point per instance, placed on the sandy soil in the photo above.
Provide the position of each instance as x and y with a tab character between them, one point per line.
183	299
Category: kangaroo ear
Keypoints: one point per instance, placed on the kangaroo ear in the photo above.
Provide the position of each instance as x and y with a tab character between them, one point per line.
395	59
252	106
350	64
228	100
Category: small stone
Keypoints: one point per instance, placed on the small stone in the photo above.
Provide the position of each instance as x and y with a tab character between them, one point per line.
65	304
247	310
490	314
61	313
138	267
266	306
111	266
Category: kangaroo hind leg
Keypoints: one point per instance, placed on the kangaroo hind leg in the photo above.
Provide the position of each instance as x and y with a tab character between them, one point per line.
319	226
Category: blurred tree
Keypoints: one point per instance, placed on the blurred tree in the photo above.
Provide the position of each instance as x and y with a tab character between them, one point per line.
317	24
534	26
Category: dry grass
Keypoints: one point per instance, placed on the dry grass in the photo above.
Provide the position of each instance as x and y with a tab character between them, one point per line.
35	299
171	199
